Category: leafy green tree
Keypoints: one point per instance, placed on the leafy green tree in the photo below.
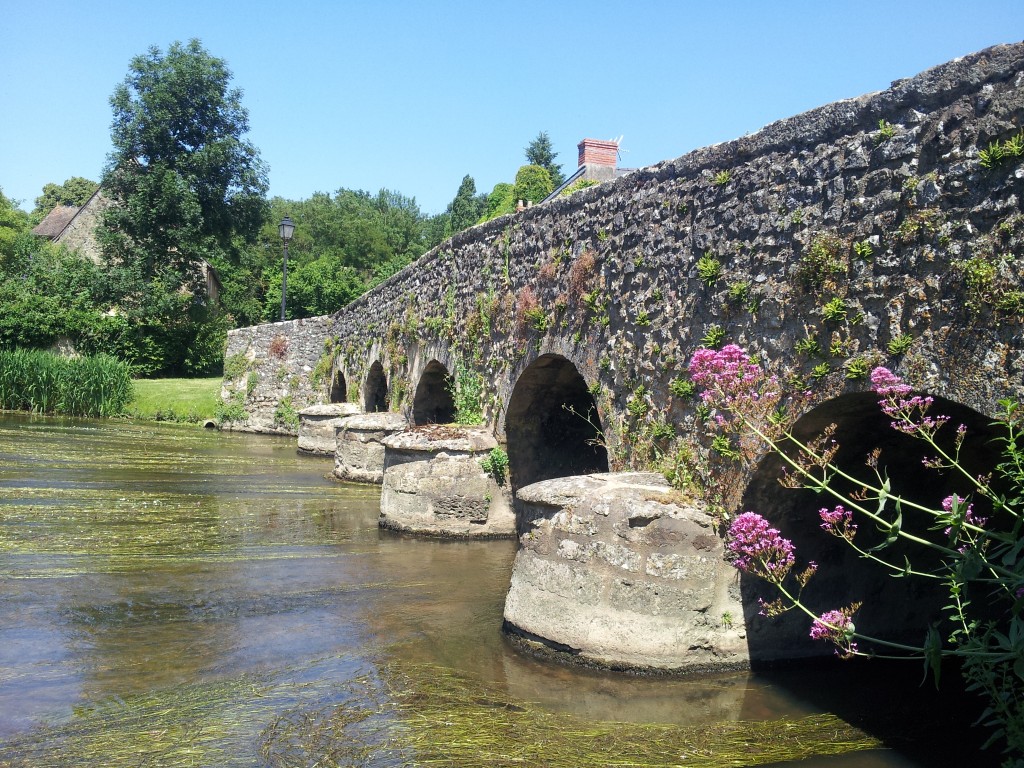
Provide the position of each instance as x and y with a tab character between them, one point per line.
540	152
533	184
501	201
13	222
467	207
185	180
74	191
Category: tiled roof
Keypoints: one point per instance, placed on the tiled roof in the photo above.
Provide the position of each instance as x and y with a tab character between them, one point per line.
55	221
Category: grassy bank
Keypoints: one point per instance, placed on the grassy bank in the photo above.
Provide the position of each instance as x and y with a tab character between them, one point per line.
186	400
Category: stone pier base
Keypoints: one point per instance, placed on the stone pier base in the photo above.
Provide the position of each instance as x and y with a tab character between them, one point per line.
359	451
434	484
616	571
317	426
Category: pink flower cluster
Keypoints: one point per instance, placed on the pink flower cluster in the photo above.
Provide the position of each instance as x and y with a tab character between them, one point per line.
729	378
953	505
838	522
760	549
836	627
909	414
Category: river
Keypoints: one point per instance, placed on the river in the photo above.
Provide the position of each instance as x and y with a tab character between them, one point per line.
177	597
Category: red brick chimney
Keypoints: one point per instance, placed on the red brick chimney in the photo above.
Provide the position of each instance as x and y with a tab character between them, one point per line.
598	152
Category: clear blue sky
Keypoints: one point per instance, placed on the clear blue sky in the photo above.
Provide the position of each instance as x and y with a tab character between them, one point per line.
412	96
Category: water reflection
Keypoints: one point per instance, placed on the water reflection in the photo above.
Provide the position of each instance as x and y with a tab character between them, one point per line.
149	569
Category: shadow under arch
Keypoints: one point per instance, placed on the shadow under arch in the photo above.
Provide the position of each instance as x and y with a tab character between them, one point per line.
433	402
897	609
375	390
339	389
547	427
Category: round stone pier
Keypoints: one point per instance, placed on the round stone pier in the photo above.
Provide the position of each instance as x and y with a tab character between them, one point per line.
359	452
617	571
434	484
317	425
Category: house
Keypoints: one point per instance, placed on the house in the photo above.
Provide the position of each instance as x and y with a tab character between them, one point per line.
75	229
598	161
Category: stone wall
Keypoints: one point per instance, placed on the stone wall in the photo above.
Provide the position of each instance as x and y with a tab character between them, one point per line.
864	232
269	374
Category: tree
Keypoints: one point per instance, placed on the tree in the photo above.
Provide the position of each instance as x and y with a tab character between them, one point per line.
13	222
184	180
466	208
74	191
539	152
533	184
500	202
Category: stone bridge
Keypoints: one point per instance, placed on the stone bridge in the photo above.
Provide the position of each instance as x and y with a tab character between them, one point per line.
882	230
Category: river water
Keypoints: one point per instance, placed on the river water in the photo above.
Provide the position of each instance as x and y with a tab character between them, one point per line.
171	596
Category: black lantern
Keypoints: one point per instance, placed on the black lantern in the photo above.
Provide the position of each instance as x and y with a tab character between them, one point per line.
286	228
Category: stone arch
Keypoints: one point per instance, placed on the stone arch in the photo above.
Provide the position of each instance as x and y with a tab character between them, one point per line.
375	390
545	438
339	389
433	402
893	608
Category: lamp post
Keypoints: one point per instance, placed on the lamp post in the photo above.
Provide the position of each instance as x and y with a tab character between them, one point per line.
285	229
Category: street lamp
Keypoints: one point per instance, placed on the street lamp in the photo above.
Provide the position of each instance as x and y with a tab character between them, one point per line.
285	229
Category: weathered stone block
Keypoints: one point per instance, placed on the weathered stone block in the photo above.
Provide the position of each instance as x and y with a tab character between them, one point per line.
641	601
318	426
433	484
359	451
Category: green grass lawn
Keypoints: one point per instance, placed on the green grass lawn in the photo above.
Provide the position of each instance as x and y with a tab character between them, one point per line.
191	400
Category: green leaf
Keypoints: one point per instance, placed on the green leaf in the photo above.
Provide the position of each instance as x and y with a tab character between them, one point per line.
893	530
933	655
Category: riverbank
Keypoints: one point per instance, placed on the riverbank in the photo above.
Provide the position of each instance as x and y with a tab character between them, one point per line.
192	401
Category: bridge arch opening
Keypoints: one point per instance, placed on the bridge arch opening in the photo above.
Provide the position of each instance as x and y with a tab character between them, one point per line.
897	609
375	390
339	390
434	402
552	424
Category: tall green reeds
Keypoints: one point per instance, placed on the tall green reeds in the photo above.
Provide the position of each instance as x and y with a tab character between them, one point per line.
34	380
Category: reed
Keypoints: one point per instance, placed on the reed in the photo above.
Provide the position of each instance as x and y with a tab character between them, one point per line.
42	382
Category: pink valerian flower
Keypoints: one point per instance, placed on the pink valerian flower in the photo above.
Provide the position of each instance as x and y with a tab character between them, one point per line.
837	627
838	522
909	414
730	379
759	549
959	512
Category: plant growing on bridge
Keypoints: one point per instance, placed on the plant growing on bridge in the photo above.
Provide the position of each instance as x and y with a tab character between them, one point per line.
886	131
999	152
709	269
496	465
976	557
467	389
821	261
900	344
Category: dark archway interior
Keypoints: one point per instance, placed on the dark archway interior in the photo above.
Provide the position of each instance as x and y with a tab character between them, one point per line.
547	425
375	394
339	392
433	403
899	609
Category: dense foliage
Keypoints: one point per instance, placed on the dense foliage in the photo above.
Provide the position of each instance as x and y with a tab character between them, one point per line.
187	184
74	191
188	210
48	383
540	152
